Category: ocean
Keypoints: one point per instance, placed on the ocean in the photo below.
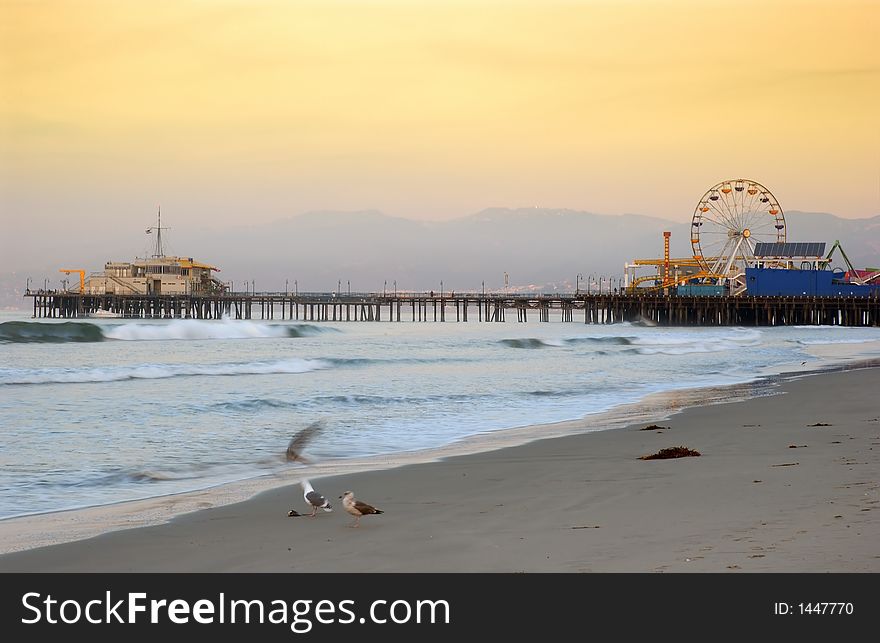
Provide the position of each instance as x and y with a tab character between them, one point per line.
102	411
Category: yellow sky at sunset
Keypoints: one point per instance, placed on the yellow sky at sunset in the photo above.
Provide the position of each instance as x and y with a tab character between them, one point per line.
434	109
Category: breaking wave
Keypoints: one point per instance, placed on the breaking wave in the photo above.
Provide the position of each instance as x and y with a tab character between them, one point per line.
195	329
530	342
323	402
652	342
820	342
178	329
684	344
621	341
14	332
156	371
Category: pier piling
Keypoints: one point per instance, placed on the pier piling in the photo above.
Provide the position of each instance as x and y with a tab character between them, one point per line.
365	307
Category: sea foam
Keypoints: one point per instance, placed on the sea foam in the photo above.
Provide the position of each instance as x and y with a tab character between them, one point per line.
155	371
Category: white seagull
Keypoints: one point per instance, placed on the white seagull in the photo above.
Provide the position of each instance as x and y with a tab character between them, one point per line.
357	508
314	499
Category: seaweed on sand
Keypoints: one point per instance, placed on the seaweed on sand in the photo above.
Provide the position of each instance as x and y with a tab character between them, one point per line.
654	427
671	452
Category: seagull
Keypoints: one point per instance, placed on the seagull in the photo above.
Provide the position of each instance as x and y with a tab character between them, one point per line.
357	508
299	441
314	499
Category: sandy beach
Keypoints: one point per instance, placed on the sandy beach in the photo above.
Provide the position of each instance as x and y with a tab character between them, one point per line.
786	483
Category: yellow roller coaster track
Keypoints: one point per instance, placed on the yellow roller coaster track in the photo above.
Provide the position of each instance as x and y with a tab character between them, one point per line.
660	282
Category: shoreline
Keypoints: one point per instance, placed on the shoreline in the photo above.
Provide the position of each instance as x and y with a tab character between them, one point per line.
45	532
29	531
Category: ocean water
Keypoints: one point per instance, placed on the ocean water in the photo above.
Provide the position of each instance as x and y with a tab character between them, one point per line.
100	411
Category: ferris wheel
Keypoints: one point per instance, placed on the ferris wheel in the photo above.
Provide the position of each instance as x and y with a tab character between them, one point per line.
729	220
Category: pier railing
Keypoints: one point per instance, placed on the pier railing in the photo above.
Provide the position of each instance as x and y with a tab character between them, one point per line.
593	308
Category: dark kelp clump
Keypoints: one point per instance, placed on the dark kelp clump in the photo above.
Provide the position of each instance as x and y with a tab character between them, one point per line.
671	452
654	427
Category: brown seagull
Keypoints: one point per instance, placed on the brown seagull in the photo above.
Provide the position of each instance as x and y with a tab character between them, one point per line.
357	508
299	441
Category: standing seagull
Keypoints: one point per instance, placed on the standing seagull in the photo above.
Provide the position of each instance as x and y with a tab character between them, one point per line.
357	508
315	499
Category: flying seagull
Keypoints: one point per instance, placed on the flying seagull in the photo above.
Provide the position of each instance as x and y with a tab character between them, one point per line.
299	441
314	499
357	508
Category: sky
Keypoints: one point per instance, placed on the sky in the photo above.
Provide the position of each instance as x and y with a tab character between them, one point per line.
246	111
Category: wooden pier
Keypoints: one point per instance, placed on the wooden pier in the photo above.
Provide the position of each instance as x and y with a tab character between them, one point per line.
462	307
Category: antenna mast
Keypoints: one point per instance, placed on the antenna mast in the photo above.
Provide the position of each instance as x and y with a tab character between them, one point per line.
160	251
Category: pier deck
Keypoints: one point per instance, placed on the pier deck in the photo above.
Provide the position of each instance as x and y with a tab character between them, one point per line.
462	307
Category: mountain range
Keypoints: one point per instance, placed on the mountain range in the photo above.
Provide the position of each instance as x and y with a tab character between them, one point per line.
536	247
541	249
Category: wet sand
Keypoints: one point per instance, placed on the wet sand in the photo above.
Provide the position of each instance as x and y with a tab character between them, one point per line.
770	492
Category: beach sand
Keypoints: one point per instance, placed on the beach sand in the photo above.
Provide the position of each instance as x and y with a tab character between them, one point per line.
770	492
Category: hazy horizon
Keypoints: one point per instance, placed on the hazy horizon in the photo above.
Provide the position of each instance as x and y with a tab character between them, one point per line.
369	251
128	239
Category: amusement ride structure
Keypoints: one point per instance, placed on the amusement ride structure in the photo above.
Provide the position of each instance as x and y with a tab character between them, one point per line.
730	219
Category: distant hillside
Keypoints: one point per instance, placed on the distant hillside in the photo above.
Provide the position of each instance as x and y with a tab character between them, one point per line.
539	247
534	246
859	237
368	248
